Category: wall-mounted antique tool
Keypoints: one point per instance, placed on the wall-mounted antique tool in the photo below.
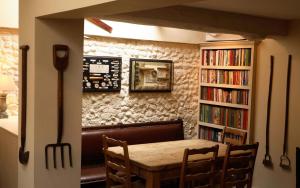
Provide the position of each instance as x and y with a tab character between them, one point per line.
285	162
268	160
60	63
297	166
24	155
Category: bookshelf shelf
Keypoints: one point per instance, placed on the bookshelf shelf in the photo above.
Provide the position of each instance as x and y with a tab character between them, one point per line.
227	67
225	104
215	126
211	125
226	74
225	86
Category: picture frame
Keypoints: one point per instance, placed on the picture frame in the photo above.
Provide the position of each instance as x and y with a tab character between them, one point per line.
150	75
101	74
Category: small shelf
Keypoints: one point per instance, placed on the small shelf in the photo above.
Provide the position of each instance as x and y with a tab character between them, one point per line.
225	86
211	125
226	67
232	105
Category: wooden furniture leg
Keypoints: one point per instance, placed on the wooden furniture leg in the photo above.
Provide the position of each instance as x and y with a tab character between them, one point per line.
152	180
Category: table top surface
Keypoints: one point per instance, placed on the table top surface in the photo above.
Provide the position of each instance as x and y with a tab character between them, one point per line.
155	156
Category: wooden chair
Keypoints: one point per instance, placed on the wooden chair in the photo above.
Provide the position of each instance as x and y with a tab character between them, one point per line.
198	173
117	166
241	174
233	136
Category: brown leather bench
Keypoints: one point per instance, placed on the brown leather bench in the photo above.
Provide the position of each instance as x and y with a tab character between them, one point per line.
92	159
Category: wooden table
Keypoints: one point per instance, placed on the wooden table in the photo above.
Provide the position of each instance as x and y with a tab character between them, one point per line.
162	160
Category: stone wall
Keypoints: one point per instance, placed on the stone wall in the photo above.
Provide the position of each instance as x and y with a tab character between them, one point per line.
9	64
110	108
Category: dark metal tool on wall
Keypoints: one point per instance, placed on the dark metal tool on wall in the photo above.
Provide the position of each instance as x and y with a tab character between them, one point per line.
298	167
60	63
24	155
285	162
268	160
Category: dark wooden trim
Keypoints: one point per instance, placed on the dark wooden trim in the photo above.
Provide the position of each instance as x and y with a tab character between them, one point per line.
100	24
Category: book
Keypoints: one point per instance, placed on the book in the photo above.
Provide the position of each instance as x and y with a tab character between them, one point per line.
236	118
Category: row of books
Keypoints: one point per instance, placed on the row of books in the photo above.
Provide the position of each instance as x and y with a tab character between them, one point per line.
213	134
228	57
226	95
208	133
235	77
230	117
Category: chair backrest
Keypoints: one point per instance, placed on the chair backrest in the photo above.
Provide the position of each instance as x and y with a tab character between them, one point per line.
238	165
233	136
197	172
117	165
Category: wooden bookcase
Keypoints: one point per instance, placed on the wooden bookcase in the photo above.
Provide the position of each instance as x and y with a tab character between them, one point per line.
226	81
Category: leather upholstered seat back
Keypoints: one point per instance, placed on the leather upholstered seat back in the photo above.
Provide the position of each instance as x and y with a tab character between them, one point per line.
137	133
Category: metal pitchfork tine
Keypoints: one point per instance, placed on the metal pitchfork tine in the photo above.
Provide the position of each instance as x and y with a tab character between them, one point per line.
60	63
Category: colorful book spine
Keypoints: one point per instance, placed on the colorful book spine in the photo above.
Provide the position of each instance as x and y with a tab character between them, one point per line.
230	117
212	134
227	57
230	77
225	95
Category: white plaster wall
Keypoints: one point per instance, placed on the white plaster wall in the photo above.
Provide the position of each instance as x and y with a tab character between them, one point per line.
67	32
8	153
40	35
9	13
110	108
9	65
144	32
280	47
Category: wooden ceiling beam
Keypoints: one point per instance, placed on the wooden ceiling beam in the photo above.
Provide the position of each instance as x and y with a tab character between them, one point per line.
199	19
116	7
100	24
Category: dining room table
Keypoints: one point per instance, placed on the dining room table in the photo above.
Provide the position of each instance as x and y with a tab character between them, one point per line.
159	161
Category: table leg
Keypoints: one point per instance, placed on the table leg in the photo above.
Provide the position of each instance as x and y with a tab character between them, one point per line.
152	180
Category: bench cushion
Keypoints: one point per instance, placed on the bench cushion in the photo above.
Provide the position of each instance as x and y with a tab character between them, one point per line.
93	173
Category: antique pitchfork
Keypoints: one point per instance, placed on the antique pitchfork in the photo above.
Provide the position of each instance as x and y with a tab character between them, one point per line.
60	61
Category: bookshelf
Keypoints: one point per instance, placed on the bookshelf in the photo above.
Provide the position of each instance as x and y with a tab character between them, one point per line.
226	88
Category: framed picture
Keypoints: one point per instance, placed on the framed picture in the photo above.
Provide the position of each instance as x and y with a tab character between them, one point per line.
101	73
148	75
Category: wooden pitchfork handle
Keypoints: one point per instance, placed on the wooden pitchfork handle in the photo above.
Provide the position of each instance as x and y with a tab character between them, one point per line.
24	156
60	63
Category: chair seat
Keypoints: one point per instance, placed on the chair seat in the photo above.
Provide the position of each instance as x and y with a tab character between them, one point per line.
93	173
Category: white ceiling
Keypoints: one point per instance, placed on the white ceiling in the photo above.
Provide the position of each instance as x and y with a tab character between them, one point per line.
285	9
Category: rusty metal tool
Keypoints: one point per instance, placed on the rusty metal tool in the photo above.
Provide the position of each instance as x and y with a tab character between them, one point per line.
285	162
60	63
297	166
267	159
24	155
